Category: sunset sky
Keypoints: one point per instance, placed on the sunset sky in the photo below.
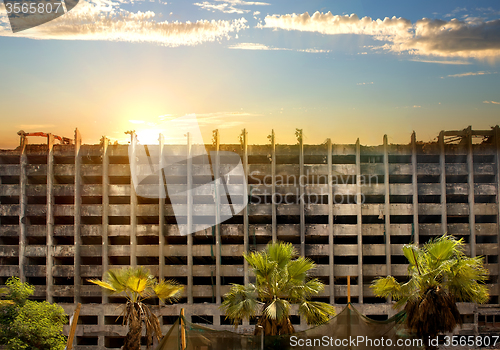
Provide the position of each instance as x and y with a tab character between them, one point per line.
337	69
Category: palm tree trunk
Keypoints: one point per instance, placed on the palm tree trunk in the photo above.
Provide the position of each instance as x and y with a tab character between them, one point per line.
133	338
274	327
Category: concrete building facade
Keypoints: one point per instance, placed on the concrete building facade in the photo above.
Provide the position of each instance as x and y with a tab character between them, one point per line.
68	212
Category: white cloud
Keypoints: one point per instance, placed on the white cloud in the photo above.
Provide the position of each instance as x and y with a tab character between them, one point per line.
327	23
225	8
455	11
229	6
454	38
493	102
442	61
256	13
314	50
468	74
370	83
99	20
257	46
253	46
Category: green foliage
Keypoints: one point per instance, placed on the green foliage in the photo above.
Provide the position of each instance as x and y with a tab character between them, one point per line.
137	284
439	275
26	324
280	282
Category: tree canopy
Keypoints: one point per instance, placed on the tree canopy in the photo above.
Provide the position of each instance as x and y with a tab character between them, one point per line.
27	324
281	279
440	274
138	284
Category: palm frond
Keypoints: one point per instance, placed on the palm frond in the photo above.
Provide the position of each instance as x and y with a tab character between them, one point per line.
102	284
278	309
316	312
241	302
387	287
281	253
298	269
168	290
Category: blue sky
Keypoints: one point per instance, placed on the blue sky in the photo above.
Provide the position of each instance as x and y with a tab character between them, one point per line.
111	66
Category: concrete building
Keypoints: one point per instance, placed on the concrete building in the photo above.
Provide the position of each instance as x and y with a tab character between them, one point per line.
68	212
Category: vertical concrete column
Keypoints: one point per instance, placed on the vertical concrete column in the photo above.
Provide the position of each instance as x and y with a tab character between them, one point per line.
302	185
161	209
189	221
133	204
245	211
387	213
470	182
274	227
301	194
442	167
414	181
50	218
104	228
217	227
105	212
244	135
497	146
23	200
331	266
359	221
77	218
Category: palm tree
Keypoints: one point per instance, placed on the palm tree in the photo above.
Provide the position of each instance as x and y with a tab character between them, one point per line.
137	284
280	282
440	274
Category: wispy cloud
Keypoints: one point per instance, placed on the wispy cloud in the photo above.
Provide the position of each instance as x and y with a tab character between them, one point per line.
493	102
468	74
253	46
441	61
428	37
314	51
257	46
99	20
327	23
370	83
229	6
455	11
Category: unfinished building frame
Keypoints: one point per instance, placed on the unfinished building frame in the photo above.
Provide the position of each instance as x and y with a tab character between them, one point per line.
68	212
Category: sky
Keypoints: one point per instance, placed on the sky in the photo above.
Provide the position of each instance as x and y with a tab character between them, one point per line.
336	69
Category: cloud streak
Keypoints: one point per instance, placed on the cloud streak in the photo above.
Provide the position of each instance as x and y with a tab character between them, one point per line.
228	6
428	37
442	61
104	21
468	74
262	47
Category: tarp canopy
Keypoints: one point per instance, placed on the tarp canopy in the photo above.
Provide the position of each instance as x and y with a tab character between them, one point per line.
347	330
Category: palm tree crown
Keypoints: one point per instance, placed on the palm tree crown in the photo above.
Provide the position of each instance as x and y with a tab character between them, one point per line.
137	284
280	281
439	275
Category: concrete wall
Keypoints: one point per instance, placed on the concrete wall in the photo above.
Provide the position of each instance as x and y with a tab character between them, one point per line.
69	213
